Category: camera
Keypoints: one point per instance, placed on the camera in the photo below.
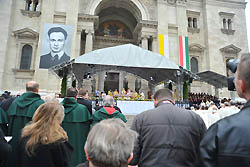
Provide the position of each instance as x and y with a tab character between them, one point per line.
232	66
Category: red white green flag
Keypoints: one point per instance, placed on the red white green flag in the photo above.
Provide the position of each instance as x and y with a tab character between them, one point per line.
184	55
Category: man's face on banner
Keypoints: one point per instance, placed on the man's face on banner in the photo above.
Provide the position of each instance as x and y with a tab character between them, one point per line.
57	41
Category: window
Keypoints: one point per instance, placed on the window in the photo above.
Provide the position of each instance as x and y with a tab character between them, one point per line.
224	23
26	57
190	22
32	8
193	19
195	23
194	65
32	5
227	23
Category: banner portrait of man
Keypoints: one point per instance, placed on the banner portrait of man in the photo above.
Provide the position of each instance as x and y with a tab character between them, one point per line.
56	45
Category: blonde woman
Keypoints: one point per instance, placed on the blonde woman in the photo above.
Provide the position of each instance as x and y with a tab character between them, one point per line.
43	141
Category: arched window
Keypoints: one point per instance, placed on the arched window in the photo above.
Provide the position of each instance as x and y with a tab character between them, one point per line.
224	24
26	57
190	22
229	23
194	65
194	23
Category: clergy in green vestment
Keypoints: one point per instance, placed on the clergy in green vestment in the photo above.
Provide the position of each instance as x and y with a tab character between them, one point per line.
77	125
3	121
20	113
107	111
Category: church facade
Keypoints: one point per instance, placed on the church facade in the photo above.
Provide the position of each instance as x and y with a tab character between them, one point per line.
216	30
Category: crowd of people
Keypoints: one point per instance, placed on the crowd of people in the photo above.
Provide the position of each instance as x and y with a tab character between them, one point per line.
68	134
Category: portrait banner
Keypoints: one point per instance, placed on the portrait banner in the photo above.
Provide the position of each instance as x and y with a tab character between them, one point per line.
56	45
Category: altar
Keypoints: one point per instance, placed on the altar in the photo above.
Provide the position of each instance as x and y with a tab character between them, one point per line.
134	107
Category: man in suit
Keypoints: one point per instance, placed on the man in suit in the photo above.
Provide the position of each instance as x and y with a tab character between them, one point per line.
82	99
57	37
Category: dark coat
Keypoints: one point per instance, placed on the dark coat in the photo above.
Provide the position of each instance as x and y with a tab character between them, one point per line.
85	164
86	103
56	154
20	113
5	148
77	125
47	61
168	136
227	142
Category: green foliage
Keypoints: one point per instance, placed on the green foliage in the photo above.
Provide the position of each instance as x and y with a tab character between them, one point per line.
64	86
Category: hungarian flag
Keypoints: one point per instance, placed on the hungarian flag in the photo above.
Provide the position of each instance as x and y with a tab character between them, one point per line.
163	45
184	55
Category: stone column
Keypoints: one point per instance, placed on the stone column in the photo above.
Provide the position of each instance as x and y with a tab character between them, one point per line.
179	86
101	76
154	45
181	17
78	43
89	41
131	82
217	92
121	79
144	42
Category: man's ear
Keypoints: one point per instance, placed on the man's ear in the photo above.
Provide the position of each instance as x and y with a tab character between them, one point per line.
86	153
130	157
243	86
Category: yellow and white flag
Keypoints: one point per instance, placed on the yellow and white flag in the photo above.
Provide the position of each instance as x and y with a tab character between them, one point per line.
163	45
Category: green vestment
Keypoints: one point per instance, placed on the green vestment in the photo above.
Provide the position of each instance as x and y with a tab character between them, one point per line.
77	125
3	121
102	114
20	113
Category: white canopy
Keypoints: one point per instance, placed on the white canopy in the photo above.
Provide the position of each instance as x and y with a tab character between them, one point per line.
148	65
127	56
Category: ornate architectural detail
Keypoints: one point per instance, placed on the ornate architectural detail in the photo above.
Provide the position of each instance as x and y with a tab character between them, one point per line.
30	13
149	24
26	33
193	30
171	2
226	14
227	31
181	2
196	48
114	40
88	18
23	71
191	13
145	24
232	49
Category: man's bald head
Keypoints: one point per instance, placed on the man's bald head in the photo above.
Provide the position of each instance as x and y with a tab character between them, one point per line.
108	101
32	86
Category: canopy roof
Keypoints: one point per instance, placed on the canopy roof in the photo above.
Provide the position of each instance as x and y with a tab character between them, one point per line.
127	56
213	78
130	58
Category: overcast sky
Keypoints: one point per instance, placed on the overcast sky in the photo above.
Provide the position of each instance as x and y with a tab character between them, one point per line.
248	22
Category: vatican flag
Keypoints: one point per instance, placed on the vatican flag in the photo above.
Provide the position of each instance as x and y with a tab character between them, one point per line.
163	45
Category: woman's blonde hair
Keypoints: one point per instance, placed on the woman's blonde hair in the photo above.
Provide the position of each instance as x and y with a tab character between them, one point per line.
45	126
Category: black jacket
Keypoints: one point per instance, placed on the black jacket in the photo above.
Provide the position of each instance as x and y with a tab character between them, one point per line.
86	103
5	148
227	142
168	136
85	164
46	61
56	154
